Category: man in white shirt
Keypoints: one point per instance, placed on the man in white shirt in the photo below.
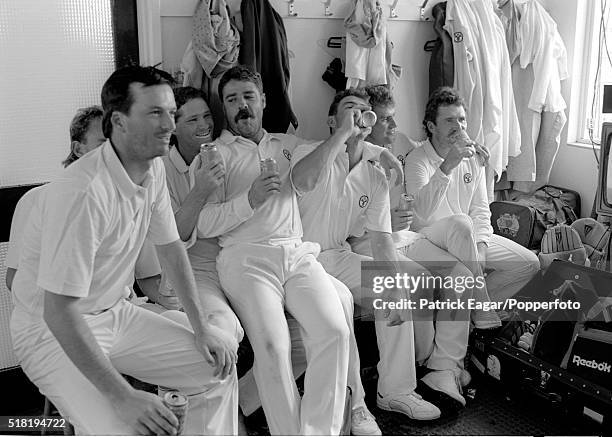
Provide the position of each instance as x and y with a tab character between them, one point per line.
447	180
343	194
194	127
73	330
265	268
85	136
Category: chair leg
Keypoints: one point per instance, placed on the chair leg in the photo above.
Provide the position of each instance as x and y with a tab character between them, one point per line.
46	414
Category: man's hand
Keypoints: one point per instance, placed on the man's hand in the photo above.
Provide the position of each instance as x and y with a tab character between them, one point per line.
389	162
460	147
146	413
347	123
263	187
401	219
483	154
394	316
209	176
219	349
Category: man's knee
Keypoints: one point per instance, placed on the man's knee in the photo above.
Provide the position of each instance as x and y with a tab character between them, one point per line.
461	224
227	321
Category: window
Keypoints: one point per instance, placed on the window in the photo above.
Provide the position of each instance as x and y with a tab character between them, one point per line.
597	70
56	54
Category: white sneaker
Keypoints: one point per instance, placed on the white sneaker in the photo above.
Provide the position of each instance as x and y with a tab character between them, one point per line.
485	319
363	423
411	404
446	382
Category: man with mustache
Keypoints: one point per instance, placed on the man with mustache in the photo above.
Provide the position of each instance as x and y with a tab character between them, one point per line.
265	268
194	127
447	180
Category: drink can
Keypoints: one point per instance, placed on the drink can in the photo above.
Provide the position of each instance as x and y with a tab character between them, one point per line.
209	154
367	119
268	165
406	202
176	402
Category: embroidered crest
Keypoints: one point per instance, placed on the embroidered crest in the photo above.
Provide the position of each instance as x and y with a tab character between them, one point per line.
363	201
287	154
458	36
508	224
467	178
587	229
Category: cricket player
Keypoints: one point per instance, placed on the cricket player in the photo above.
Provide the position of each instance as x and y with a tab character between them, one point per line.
342	193
73	330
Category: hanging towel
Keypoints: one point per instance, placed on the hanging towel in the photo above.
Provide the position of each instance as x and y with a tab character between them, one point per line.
540	63
215	38
366	44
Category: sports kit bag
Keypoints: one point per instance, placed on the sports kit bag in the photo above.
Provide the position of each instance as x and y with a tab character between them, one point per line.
523	218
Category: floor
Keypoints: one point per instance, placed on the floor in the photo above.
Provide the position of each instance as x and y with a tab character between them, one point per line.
491	411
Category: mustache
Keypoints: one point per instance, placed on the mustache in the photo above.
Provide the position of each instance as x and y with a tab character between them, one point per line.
244	113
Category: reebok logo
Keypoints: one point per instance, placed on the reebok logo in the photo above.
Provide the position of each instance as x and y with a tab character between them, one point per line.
602	367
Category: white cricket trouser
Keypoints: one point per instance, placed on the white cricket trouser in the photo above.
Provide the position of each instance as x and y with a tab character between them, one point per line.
439	342
440	337
509	265
396	372
214	303
261	281
139	343
249	396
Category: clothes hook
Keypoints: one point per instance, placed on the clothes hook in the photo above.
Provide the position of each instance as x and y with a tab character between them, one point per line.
393	7
422	10
291	4
328	11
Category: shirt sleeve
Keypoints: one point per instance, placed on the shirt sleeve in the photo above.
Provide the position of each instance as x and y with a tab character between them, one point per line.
219	216
162	228
147	264
371	152
479	210
298	154
378	213
429	191
20	218
72	230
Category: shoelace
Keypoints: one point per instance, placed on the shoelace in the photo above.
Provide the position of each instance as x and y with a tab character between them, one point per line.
360	414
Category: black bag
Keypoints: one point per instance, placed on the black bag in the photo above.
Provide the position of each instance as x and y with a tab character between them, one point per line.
557	327
524	218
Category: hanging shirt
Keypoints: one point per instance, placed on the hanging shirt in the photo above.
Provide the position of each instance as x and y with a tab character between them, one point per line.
483	79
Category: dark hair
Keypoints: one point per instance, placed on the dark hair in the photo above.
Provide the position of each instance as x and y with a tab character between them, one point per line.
116	94
443	96
78	128
380	95
357	92
185	94
241	73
